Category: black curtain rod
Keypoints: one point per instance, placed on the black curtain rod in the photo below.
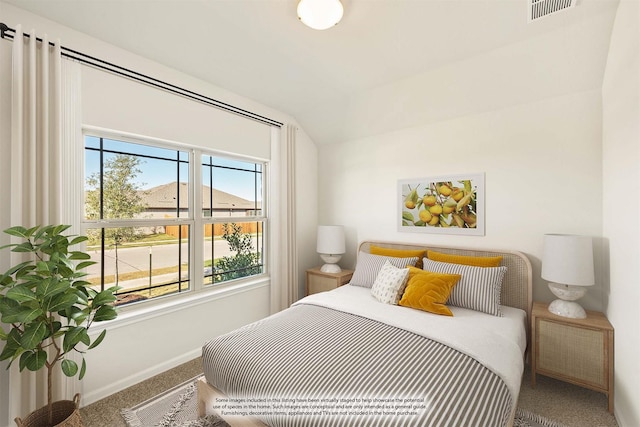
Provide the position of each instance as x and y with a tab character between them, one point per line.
125	72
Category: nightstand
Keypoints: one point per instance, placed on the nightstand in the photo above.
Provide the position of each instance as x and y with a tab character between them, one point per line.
578	351
317	281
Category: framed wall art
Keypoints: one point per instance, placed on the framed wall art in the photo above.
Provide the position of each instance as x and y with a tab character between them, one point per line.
448	204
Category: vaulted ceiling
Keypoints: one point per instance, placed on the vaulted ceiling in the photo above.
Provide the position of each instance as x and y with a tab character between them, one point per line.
378	52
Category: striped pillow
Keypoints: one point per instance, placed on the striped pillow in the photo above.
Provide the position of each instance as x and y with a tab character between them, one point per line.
478	289
368	266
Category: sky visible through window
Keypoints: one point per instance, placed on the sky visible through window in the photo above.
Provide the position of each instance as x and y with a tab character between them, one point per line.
157	171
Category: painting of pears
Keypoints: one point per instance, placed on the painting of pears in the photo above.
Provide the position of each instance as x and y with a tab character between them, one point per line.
445	204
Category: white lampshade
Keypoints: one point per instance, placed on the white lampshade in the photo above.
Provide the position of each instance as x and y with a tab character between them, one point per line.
320	14
331	246
568	259
567	262
330	239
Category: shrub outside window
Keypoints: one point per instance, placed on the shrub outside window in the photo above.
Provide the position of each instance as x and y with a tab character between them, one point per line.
233	218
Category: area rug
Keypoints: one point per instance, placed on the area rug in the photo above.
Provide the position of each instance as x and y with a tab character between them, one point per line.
178	407
527	419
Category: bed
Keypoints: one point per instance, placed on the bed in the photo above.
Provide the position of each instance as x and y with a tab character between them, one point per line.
344	358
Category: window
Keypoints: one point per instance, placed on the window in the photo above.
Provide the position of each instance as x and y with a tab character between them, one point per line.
143	228
233	220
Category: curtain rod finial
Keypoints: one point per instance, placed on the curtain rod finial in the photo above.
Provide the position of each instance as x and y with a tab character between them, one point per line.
3	28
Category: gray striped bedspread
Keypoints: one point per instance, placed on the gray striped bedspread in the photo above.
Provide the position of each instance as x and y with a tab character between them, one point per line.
315	365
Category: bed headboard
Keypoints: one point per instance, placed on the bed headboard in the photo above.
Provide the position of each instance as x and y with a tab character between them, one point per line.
517	282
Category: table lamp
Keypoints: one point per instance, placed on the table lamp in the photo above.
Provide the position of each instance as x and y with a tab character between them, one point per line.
567	263
330	247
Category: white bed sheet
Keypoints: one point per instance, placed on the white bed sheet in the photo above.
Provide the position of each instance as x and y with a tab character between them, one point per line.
498	343
511	326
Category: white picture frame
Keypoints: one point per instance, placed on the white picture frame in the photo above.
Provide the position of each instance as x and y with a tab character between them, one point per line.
445	204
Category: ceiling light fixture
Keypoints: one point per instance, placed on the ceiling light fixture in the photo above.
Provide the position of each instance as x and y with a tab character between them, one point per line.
320	14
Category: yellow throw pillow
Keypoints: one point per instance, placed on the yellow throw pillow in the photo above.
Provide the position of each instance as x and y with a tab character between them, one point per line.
428	291
476	261
398	253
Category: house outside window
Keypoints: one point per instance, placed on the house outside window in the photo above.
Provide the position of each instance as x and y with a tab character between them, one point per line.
143	227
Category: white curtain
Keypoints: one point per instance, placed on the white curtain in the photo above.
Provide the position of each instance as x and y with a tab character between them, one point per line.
283	248
35	131
43	135
291	268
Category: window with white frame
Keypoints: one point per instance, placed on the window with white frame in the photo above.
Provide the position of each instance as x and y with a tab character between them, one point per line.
143	225
233	218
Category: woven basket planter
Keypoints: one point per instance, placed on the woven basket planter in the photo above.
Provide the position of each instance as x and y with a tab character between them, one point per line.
66	413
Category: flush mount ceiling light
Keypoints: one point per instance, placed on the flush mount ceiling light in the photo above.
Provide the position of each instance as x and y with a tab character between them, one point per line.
320	14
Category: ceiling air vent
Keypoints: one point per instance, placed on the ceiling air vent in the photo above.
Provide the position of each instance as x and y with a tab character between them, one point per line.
541	8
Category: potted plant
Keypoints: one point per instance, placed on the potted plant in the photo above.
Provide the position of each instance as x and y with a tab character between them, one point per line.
48	308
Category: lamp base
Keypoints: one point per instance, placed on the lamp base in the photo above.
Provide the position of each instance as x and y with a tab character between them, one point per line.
565	305
569	309
331	263
330	268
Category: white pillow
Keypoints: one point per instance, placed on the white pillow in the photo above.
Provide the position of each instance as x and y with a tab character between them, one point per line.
368	266
478	289
390	283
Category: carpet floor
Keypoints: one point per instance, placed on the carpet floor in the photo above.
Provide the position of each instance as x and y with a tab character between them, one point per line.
565	404
177	407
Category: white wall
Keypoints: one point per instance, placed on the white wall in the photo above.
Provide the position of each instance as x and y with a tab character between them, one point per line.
542	165
137	349
113	102
621	204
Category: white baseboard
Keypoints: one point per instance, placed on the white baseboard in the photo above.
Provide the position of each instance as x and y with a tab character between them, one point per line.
121	384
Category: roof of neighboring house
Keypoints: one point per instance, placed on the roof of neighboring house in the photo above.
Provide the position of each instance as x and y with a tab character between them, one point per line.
164	197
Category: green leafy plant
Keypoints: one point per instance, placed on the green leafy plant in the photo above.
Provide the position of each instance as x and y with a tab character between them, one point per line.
47	304
244	263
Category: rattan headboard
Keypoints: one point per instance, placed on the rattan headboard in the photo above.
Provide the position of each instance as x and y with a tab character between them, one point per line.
517	282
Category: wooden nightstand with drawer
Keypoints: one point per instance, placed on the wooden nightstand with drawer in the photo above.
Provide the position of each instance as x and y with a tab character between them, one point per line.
578	351
318	281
